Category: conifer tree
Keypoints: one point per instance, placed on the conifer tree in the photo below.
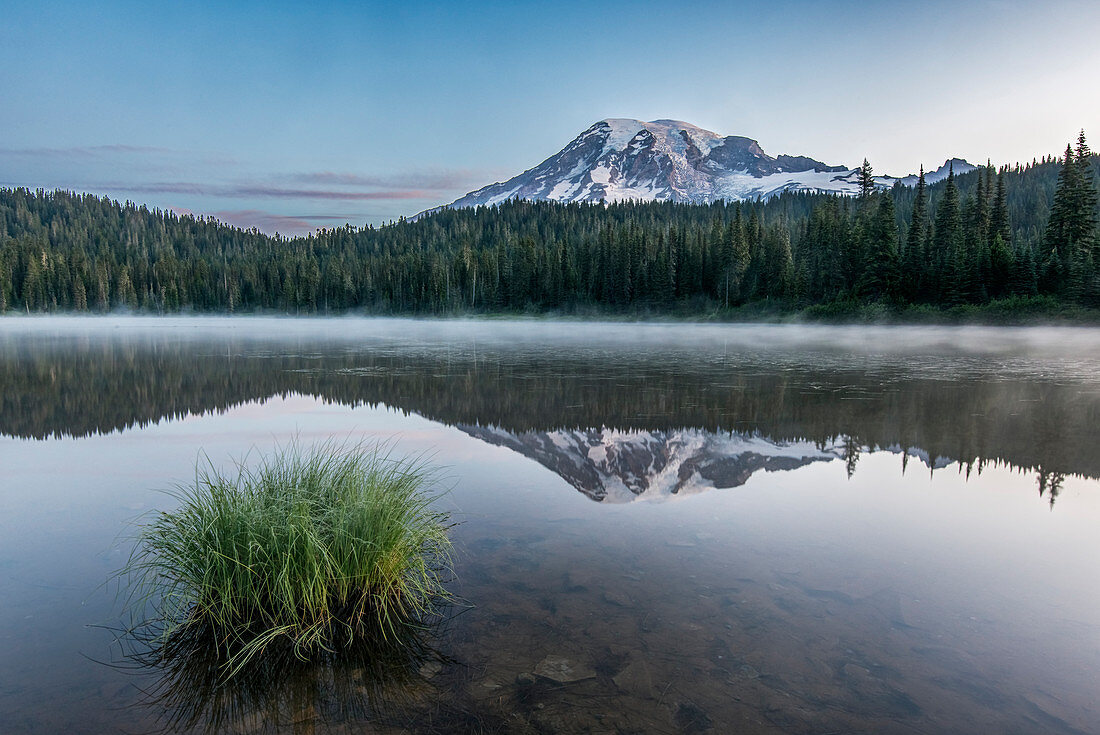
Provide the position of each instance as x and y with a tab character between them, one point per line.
866	181
715	259
1071	228
1054	274
914	264
1086	197
1001	264
947	238
663	279
824	251
1025	278
3	290
998	223
982	225
881	269
1087	203
739	258
778	262
755	284
1062	225
33	293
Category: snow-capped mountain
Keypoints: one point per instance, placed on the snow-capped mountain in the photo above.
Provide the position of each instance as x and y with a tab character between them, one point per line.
668	160
958	165
622	466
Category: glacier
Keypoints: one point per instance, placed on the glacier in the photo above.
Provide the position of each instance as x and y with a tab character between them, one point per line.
622	159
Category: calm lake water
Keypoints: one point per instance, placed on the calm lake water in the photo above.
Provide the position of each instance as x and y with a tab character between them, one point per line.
667	529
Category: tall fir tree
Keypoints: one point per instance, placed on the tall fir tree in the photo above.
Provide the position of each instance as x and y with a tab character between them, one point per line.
1087	203
1002	255
913	259
866	181
1086	196
998	222
963	284
1071	228
946	239
739	259
879	280
778	262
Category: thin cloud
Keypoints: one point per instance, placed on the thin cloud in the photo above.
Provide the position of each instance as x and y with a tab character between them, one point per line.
268	222
141	157
280	193
330	184
433	180
332	217
271	222
87	151
259	191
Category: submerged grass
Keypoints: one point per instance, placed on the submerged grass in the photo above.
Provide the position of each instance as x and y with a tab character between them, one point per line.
373	679
315	547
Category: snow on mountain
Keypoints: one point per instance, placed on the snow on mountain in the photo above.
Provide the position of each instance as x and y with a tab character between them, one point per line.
958	165
613	466
669	160
622	466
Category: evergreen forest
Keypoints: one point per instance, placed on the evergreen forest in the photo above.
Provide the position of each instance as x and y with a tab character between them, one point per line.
1021	237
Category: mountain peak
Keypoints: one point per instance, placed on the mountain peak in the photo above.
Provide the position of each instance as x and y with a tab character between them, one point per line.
617	159
958	165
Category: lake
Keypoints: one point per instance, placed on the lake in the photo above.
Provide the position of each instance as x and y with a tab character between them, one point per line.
664	528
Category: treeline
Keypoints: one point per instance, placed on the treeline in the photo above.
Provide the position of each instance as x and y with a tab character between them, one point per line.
985	235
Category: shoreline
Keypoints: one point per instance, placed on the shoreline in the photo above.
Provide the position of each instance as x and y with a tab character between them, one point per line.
1034	313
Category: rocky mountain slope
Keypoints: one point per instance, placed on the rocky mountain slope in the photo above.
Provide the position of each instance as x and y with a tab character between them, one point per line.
621	466
669	160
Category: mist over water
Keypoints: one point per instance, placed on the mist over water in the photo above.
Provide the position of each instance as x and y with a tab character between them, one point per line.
885	529
943	340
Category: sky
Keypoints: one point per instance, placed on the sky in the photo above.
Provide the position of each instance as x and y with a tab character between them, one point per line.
292	116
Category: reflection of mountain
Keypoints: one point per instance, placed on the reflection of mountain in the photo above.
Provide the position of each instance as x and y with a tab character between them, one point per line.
620	466
1042	415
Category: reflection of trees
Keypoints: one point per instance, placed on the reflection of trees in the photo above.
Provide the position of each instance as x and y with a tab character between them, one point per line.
84	386
374	680
851	454
1050	484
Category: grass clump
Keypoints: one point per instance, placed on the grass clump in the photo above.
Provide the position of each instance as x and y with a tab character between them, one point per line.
313	547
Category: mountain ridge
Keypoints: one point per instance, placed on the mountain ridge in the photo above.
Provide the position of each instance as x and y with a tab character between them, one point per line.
623	466
619	159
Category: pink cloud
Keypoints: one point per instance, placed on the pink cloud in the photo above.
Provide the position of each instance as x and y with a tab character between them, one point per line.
272	223
85	151
441	180
280	193
268	222
259	191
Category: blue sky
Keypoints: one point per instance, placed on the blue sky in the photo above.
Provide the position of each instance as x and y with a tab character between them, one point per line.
290	116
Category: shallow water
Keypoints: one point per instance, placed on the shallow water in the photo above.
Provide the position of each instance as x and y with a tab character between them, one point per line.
662	528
